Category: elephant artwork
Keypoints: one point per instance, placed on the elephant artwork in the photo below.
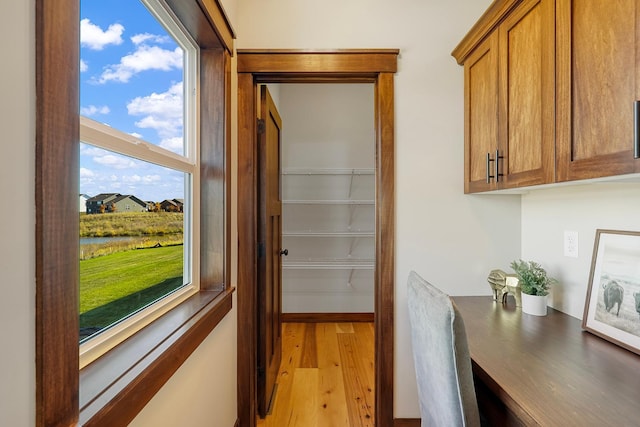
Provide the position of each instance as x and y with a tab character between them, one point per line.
503	284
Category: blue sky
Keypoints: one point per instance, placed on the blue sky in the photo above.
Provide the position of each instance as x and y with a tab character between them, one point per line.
131	79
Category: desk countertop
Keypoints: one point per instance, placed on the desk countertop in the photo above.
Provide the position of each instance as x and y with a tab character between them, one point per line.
548	371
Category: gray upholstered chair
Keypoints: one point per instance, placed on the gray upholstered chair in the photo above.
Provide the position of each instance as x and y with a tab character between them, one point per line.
441	355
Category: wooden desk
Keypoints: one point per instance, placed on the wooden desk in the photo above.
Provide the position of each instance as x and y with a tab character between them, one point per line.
546	370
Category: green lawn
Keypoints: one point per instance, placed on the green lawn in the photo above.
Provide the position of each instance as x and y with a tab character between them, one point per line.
113	286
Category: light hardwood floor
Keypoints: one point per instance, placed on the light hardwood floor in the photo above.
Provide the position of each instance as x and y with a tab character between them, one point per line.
326	378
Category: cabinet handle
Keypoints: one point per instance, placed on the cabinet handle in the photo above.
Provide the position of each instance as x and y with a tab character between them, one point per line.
498	157
636	129
489	160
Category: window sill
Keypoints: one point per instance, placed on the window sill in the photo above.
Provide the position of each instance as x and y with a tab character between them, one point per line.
114	388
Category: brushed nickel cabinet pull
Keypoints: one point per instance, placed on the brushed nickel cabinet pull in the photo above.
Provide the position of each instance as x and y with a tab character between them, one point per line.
489	160
498	157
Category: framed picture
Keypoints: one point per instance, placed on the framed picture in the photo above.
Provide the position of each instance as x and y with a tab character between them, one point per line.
612	308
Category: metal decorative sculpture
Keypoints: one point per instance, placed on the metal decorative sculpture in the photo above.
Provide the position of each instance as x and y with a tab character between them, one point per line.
503	284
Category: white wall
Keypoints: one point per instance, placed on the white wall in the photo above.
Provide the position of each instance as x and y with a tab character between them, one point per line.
451	239
17	224
546	214
203	391
327	126
196	395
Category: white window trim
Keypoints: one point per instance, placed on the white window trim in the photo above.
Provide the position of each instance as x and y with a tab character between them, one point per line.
106	137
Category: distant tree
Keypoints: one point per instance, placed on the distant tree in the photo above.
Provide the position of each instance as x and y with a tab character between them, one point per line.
102	208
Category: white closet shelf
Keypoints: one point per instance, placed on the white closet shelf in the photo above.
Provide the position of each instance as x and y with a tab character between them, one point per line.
328	202
313	171
329	234
346	264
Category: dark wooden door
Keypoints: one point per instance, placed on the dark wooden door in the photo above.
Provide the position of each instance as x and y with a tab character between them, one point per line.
269	250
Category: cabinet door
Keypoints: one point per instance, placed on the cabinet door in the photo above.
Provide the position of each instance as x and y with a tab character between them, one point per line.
527	90
597	84
481	115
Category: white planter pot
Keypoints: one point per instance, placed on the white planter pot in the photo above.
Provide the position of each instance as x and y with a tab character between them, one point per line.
534	304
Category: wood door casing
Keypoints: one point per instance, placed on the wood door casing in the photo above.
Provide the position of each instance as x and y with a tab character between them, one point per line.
597	84
527	92
269	253
285	66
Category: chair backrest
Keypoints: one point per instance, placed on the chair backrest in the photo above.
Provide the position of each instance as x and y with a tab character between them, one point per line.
441	356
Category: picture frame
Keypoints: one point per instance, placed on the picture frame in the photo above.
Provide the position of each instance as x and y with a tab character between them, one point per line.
612	306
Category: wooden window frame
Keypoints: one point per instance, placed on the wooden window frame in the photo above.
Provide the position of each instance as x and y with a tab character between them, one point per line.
376	66
118	385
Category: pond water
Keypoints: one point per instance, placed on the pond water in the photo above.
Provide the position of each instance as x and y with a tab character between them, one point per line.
101	240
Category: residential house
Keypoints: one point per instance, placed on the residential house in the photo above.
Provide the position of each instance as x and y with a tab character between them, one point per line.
174	205
151	205
115	202
452	239
101	203
83	203
179	203
128	203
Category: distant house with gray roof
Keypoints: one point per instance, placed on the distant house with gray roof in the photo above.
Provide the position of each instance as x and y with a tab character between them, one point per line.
115	202
128	203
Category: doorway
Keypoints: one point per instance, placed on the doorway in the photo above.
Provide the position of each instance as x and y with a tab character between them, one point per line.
327	194
345	66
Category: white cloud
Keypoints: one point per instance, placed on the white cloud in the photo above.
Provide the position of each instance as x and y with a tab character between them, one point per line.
175	144
141	38
115	162
92	110
83	66
95	38
151	179
136	135
86	173
146	179
132	178
87	178
144	58
162	112
90	150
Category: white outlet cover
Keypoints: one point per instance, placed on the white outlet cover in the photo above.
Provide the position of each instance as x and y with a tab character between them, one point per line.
571	244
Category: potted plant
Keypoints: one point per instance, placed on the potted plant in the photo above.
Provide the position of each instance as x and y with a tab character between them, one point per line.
534	284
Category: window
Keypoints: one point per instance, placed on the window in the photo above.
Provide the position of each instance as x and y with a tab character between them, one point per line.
115	387
138	75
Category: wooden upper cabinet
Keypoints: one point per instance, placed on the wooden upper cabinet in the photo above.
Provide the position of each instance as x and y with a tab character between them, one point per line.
527	89
481	116
597	84
509	101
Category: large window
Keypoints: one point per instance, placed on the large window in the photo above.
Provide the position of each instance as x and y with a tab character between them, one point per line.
139	168
152	149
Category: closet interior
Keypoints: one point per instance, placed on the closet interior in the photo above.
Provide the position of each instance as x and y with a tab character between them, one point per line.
328	192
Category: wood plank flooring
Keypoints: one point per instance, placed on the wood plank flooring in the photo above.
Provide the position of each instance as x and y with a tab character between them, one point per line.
326	378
